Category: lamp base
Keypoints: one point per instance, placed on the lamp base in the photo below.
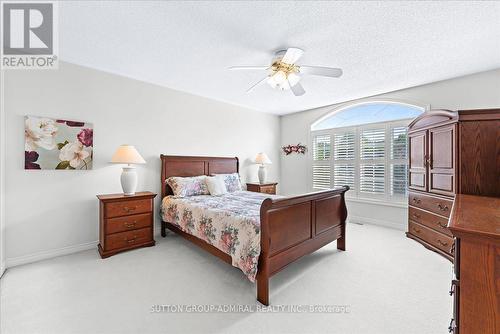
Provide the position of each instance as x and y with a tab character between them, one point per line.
262	174
129	180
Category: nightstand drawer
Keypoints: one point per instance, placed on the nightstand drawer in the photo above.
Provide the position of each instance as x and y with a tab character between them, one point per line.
130	207
128	239
268	190
127	223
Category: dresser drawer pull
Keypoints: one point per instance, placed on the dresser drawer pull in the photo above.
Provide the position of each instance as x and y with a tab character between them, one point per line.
442	225
127	209
442	208
452	326
416	200
452	289
416	230
442	243
416	215
130	241
130	225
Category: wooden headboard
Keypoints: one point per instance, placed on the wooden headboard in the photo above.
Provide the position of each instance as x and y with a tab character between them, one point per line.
172	165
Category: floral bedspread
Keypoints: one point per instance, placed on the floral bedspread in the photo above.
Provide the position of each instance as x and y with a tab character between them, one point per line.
230	222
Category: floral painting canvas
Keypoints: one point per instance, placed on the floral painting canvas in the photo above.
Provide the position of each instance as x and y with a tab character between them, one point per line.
57	144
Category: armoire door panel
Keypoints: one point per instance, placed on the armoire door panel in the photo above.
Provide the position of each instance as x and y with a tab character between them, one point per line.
417	161
442	160
442	183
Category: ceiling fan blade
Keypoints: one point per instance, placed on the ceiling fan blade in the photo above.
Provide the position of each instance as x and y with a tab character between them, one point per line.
292	55
322	71
248	68
297	89
256	84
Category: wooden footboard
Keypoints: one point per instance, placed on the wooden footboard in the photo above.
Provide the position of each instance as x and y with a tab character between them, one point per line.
296	226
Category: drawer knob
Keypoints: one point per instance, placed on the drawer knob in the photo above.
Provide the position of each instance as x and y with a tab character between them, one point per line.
130	225
442	243
442	207
128	209
416	215
416	230
130	241
416	200
442	225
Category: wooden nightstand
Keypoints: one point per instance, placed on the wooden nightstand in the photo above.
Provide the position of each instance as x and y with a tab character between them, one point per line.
125	222
268	188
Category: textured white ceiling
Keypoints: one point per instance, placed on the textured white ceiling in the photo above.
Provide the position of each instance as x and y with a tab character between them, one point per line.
381	46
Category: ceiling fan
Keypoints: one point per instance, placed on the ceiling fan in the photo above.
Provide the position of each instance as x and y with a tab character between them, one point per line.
284	73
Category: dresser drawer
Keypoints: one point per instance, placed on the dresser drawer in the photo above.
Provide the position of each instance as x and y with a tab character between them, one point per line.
434	204
123	208
436	239
128	239
428	219
127	223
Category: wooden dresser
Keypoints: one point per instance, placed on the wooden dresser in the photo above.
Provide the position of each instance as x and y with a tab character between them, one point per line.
450	152
475	223
268	188
125	222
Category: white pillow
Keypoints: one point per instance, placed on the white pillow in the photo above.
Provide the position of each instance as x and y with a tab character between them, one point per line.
232	181
216	186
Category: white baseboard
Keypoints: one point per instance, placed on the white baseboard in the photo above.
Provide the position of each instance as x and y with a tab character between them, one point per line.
44	255
385	223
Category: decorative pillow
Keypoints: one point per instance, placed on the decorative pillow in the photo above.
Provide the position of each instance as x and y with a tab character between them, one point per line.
188	186
232	181
216	186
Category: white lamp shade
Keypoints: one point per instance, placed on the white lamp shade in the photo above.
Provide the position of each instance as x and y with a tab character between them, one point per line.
262	158
127	154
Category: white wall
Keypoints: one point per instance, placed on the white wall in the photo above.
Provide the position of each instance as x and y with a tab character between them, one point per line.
52	212
2	176
481	90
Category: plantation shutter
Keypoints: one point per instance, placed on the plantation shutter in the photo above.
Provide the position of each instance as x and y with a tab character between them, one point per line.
399	143
321	168
322	148
343	156
343	147
321	177
372	167
372	143
372	178
399	166
399	179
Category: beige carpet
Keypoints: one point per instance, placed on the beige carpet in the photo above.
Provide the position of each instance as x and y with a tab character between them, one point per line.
388	283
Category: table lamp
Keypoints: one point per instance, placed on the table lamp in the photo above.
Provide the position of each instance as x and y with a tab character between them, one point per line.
263	160
127	154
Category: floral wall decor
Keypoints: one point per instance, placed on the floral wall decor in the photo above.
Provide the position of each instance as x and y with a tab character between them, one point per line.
57	144
299	149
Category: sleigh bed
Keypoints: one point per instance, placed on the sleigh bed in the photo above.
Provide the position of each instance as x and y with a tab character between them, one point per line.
286	228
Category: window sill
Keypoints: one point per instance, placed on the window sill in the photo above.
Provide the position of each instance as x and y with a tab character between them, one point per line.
403	205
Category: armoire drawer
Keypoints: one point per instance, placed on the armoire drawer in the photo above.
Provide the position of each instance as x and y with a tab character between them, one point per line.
437	205
428	219
436	239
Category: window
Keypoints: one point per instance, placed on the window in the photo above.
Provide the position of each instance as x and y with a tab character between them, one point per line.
371	157
321	166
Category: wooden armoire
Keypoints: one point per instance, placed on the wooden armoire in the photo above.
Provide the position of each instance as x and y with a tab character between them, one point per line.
450	152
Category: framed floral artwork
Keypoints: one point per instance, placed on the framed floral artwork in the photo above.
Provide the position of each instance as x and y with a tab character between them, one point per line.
57	144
